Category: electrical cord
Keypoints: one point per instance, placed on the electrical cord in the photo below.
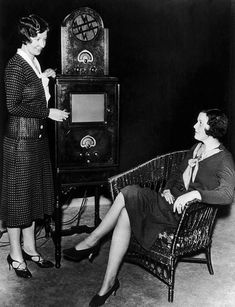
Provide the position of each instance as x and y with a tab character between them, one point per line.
38	237
78	215
39	229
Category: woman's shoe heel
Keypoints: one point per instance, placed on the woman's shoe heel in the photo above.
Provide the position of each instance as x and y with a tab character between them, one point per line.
24	273
94	254
42	263
115	292
99	300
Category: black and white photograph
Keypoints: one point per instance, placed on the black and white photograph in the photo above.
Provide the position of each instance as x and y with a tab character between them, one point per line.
117	153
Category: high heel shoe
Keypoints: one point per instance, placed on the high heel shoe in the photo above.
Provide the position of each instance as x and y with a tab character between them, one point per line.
24	273
99	300
42	263
78	255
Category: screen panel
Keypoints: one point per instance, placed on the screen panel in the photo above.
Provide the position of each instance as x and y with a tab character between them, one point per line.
93	105
87	107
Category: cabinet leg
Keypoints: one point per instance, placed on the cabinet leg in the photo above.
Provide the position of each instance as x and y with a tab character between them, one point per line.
47	226
57	233
97	206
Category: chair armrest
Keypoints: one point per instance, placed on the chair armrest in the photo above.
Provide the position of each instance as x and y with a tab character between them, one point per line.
194	204
195	226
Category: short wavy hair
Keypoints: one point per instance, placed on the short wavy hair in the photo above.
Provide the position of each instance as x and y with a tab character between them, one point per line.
218	123
30	26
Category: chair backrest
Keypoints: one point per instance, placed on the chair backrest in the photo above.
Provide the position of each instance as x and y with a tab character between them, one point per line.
153	173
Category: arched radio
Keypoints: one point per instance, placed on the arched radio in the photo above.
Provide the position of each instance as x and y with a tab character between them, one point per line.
84	44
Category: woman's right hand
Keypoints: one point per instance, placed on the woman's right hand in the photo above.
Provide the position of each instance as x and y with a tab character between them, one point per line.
168	196
58	115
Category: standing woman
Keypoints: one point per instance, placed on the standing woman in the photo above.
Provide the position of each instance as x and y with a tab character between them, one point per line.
27	189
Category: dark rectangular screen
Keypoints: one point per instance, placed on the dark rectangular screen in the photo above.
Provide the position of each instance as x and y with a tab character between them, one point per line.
87	108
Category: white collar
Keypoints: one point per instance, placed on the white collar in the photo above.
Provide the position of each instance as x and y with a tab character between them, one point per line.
25	56
37	68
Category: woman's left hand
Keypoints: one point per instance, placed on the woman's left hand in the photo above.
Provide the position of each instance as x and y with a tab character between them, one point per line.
182	200
49	72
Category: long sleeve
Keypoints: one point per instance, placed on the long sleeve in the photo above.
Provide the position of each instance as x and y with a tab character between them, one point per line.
223	194
215	179
24	91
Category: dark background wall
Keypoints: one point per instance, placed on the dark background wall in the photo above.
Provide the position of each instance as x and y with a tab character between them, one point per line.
172	58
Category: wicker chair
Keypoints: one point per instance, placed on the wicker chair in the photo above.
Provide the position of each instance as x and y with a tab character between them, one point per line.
194	231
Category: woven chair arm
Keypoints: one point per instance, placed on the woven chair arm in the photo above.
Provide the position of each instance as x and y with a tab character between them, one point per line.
194	204
196	222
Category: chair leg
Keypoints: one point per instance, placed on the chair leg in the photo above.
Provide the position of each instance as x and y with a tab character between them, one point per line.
170	294
208	258
172	281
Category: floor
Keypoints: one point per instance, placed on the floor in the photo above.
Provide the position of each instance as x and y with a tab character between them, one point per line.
74	284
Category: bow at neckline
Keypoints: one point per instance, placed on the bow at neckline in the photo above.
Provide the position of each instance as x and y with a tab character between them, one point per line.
199	154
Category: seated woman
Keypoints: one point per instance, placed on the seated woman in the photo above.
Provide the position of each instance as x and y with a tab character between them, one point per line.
207	173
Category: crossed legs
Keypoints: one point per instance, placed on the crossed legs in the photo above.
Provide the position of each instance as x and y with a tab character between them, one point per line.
119	244
117	219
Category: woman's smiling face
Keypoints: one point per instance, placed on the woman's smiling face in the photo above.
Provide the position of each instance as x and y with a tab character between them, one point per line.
200	127
37	44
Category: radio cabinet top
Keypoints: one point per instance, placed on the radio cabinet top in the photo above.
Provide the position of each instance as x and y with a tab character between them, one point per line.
84	44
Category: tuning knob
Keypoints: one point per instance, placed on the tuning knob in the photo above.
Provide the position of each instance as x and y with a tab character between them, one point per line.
93	69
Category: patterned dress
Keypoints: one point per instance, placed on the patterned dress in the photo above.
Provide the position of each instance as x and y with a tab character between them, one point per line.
27	189
149	212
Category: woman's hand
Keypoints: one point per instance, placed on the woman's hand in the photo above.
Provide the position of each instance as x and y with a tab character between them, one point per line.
49	72
58	115
182	200
168	196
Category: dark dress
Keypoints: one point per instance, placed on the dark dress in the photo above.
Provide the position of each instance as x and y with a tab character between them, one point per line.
150	213
27	189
